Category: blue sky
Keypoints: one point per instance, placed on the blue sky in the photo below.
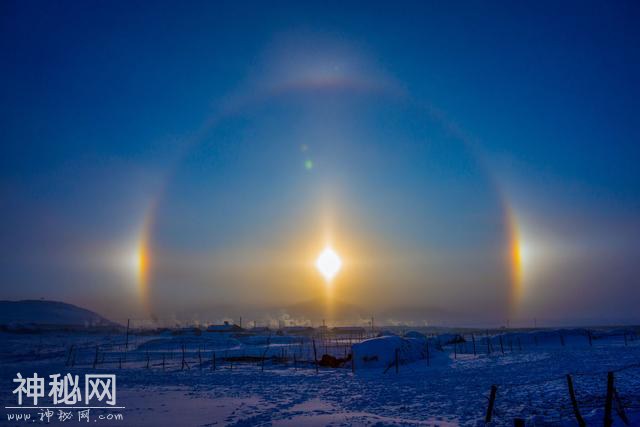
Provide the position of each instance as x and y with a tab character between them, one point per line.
422	119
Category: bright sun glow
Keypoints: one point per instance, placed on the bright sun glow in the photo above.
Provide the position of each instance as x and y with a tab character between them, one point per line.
328	263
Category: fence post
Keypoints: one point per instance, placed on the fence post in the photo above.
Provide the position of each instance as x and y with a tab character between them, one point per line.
608	421
501	346
148	360
492	400
126	341
574	402
620	408
428	359
69	355
353	361
95	359
397	360
184	362
315	355
473	339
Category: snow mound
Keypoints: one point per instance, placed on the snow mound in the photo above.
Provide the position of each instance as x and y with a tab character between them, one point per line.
381	352
415	334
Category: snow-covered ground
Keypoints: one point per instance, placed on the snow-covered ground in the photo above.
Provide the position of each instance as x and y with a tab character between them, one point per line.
450	387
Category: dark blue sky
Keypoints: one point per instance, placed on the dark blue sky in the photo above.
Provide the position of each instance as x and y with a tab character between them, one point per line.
425	121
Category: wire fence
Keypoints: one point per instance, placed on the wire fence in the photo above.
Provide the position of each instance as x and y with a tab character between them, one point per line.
547	397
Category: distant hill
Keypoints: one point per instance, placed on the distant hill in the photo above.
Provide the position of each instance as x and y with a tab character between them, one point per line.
50	314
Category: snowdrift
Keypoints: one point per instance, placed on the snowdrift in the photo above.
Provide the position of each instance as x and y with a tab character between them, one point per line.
381	352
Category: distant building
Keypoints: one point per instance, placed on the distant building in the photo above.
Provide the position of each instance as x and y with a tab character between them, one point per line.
226	327
349	331
297	330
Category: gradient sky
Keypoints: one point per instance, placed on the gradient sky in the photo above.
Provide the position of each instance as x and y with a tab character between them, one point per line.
423	140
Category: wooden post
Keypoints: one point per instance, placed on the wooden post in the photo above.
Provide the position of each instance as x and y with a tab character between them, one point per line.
213	361
184	361
148	360
562	339
455	350
428	358
488	343
590	339
163	359
295	362
492	400
519	344
95	359
473	339
608	421
315	355
620	408
574	402
511	345
397	360
69	356
501	346
353	361
182	364
126	341
200	357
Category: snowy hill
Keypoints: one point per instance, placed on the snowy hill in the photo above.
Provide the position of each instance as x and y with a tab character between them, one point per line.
41	313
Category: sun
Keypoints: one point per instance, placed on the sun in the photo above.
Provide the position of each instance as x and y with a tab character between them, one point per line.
328	263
